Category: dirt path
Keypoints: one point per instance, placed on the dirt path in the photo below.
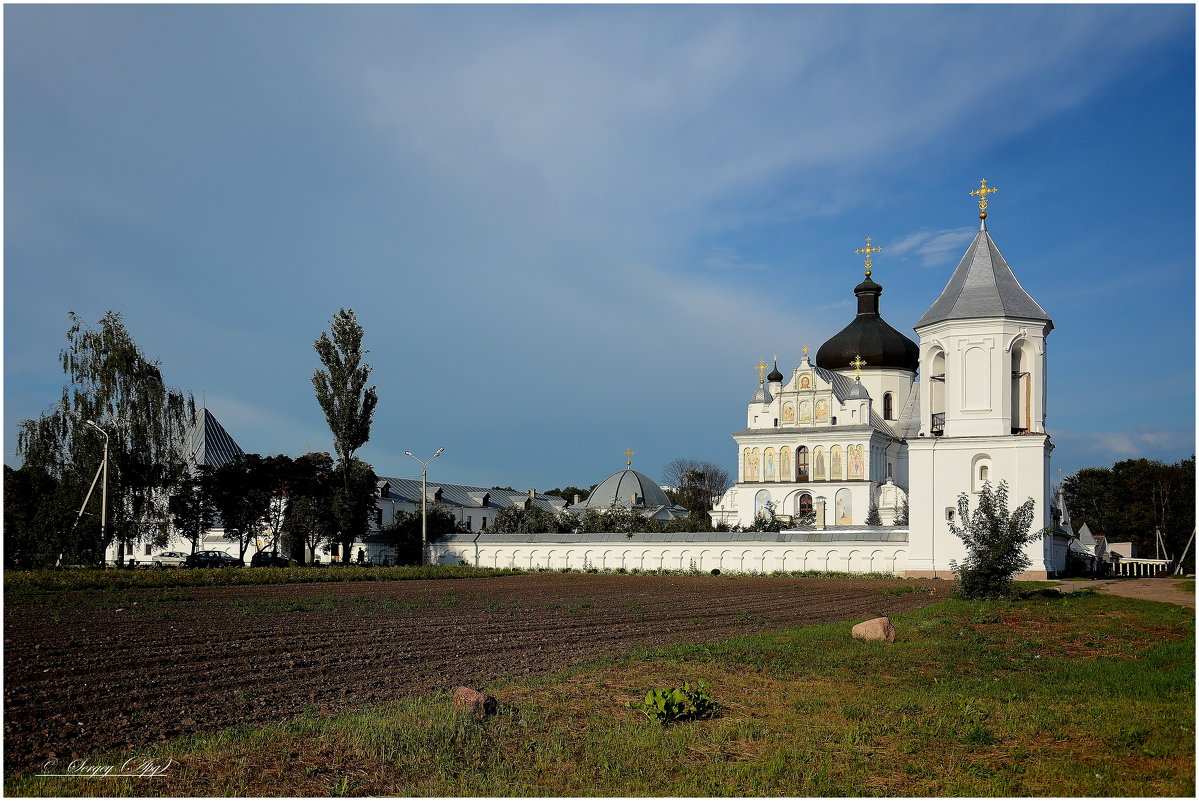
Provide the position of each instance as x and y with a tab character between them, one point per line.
1145	589
86	672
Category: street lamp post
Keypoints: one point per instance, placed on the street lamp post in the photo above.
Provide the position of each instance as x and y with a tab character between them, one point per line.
103	487
424	498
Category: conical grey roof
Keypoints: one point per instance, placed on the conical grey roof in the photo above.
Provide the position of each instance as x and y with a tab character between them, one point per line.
762	395
208	442
983	286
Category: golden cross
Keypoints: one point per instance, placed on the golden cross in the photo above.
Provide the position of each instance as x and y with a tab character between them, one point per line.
869	250
761	368
805	350
982	192
857	364
628	455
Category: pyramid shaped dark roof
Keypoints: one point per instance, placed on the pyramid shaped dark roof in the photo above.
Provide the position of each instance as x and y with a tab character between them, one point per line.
983	286
208	443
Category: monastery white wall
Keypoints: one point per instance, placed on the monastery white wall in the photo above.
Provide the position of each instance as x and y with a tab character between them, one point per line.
725	556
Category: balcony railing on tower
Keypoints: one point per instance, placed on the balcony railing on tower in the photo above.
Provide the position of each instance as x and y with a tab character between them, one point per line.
938	426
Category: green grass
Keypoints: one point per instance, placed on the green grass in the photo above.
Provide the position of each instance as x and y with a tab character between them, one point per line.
1186	586
1074	695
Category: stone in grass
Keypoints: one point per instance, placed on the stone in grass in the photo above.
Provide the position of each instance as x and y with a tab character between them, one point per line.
879	628
474	701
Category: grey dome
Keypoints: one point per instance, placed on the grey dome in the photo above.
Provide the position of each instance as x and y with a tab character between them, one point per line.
762	395
621	486
858	392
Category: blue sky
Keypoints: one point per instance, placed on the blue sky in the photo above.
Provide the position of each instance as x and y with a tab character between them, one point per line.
569	230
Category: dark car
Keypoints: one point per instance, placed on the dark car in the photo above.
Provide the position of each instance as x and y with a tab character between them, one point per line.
269	559
213	559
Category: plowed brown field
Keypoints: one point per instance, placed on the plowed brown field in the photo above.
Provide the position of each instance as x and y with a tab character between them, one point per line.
86	672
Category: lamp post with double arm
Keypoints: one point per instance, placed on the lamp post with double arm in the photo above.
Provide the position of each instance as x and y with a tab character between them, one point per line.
424	498
103	488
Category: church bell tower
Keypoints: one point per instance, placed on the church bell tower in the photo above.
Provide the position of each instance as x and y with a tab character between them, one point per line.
982	404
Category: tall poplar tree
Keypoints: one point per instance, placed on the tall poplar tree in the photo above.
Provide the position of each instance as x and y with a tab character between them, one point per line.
349	405
112	384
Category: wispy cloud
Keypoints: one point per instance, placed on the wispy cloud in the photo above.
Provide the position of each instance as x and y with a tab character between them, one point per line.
933	248
1105	447
730	259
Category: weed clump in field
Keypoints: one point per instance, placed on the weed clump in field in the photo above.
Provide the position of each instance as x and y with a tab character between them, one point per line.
677	704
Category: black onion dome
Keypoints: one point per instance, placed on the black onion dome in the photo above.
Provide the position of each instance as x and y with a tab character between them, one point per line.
870	337
774	375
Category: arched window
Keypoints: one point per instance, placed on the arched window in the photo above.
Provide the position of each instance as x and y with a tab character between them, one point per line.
801	463
888	410
805	504
980	469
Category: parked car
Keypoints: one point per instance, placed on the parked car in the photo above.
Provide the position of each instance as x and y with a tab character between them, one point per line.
169	559
269	559
213	559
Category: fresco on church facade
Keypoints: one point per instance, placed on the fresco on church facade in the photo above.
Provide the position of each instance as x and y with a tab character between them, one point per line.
768	460
855	461
784	464
844	508
760	501
834	463
821	410
818	464
751	464
805	411
788	412
805	382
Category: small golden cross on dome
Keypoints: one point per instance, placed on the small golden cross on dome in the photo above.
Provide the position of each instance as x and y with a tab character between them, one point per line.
982	192
628	456
761	368
805	350
869	250
857	364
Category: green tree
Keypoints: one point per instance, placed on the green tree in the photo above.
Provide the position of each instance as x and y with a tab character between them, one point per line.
568	493
994	541
533	520
193	509
242	496
354	505
768	521
349	405
309	517
36	515
403	533
1130	500
111	383
872	516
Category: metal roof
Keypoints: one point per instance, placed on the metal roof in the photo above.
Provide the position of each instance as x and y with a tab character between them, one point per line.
810	534
620	488
983	286
208	443
407	490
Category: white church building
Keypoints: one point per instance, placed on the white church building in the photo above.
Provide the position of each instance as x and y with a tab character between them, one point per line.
881	422
877	423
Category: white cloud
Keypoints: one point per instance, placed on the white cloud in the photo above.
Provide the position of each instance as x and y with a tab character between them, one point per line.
730	259
933	248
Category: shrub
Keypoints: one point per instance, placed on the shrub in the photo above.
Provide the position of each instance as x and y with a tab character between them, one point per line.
994	542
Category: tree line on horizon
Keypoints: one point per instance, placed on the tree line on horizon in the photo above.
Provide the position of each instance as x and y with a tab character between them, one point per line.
116	403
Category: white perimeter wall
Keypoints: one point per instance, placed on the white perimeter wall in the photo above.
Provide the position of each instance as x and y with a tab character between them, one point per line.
732	557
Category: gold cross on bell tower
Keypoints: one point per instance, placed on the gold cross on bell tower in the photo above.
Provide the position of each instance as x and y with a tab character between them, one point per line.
857	364
869	250
982	192
761	368
628	458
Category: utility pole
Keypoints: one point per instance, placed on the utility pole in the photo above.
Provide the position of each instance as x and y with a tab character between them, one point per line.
424	499
103	490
